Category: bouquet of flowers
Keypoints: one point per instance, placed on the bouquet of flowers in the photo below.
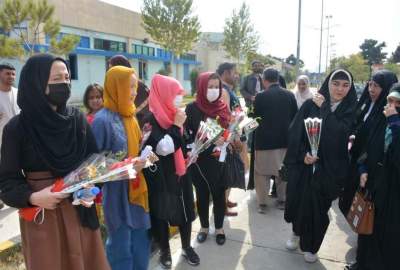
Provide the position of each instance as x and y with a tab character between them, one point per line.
97	168
313	129
208	132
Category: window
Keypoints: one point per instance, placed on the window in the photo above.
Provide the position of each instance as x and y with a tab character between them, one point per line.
84	42
142	70
188	56
186	75
109	45
151	51
73	66
143	50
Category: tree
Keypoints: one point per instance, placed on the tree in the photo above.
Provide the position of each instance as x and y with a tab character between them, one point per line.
240	38
355	63
251	56
292	60
24	25
393	67
372	51
171	23
395	58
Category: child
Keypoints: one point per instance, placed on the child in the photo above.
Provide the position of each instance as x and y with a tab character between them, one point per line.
93	100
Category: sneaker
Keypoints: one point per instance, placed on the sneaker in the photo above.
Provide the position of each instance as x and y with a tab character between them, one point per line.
262	208
191	256
310	257
293	243
165	259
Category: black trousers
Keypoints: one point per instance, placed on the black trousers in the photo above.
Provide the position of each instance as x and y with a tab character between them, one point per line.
161	231
205	187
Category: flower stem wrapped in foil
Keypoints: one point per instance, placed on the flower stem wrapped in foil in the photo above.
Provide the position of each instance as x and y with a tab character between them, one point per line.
313	129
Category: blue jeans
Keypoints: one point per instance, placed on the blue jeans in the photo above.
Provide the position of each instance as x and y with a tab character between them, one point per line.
128	249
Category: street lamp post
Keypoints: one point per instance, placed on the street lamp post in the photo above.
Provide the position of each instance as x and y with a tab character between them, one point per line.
320	41
328	18
298	41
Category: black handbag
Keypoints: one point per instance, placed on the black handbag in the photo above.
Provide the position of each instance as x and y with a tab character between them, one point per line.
233	173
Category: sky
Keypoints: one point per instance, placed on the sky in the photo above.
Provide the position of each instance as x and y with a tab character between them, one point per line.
276	22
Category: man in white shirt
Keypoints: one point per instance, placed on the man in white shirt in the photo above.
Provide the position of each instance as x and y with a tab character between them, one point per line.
8	99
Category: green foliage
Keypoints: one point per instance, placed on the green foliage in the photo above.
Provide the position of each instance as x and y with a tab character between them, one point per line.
372	51
292	60
240	38
395	58
193	79
393	67
171	23
355	63
252	56
290	76
29	22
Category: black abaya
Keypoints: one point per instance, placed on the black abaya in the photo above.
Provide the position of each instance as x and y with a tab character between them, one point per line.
310	194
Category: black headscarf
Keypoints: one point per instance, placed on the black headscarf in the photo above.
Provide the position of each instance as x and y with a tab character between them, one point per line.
58	137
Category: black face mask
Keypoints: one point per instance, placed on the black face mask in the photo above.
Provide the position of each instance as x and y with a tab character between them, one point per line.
59	94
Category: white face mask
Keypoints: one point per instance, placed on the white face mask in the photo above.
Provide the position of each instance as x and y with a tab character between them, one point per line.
178	101
212	94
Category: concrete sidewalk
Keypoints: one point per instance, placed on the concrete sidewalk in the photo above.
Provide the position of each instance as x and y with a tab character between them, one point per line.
9	228
256	241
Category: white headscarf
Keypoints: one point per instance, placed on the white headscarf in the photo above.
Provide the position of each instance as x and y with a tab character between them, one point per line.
301	97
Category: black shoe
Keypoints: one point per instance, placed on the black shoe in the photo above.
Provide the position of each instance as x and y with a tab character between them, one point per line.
220	239
165	259
201	237
352	266
191	256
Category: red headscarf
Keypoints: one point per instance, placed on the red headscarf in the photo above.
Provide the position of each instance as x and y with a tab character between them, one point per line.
211	109
161	101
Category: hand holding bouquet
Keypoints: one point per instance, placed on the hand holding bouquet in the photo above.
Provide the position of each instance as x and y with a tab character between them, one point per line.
207	134
98	168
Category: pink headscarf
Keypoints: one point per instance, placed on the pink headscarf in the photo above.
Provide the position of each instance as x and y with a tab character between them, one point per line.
161	101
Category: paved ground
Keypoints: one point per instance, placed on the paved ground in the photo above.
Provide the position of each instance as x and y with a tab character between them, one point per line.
254	241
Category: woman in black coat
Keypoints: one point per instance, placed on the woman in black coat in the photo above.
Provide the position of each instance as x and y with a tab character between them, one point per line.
310	193
368	131
207	172
170	186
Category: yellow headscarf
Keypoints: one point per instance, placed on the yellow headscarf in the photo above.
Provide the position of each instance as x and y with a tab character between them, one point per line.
118	98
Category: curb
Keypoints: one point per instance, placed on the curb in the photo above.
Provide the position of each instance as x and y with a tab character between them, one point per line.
10	246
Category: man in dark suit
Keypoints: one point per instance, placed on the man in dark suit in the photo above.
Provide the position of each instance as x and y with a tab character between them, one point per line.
276	107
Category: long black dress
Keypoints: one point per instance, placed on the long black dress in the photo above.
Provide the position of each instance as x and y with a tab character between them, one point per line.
367	155
387	202
366	132
309	195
